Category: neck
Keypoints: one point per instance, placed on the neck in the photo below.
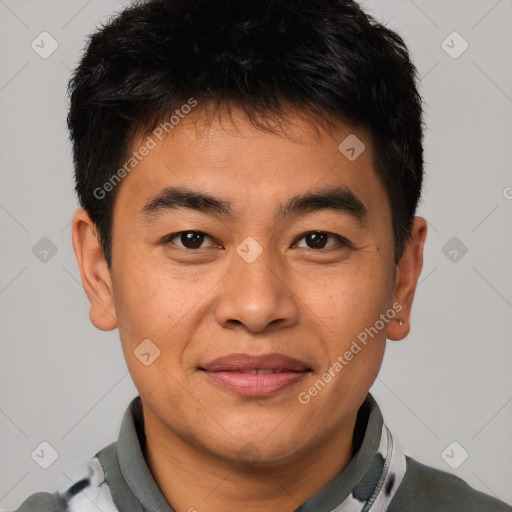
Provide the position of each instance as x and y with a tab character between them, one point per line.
195	480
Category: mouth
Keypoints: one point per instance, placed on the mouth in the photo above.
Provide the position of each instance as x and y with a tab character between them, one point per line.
255	376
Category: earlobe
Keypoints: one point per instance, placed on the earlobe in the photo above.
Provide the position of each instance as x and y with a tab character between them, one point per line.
96	278
407	274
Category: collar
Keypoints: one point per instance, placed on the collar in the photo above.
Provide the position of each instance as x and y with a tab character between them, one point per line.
368	482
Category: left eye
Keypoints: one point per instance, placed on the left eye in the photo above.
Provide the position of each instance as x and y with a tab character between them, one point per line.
188	239
318	239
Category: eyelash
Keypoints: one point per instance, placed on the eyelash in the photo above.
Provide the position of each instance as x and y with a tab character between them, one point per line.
343	242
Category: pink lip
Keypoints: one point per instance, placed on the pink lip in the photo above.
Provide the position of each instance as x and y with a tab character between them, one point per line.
228	372
246	362
255	385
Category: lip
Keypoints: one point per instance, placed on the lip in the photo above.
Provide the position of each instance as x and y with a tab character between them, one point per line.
228	371
246	362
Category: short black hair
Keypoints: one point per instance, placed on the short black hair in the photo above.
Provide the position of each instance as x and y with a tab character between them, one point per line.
327	59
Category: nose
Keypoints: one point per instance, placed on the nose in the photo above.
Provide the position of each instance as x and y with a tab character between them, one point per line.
257	295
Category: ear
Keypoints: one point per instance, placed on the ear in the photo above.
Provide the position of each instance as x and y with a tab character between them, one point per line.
406	279
96	278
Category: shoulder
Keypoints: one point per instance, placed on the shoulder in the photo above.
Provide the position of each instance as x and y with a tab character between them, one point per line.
42	502
86	492
426	489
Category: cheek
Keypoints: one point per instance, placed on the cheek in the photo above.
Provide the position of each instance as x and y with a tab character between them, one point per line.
163	306
349	296
155	317
151	299
347	308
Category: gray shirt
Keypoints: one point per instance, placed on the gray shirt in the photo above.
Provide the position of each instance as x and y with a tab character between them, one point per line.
378	478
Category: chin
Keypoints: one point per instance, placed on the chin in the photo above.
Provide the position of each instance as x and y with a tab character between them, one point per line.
259	453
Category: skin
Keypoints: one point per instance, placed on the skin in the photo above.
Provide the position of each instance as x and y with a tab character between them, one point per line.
208	448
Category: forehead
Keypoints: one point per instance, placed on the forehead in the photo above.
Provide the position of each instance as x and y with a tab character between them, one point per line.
251	168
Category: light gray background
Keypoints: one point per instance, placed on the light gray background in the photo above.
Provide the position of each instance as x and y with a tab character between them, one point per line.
64	382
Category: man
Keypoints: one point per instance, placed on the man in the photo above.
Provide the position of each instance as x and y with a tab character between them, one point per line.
249	174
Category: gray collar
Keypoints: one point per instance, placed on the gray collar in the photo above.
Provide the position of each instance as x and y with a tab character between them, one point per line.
367	483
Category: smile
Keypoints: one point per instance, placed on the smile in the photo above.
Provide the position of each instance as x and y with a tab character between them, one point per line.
255	375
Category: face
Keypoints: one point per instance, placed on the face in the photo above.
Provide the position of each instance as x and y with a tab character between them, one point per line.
251	264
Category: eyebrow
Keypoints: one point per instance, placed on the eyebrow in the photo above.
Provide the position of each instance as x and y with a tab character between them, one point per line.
338	199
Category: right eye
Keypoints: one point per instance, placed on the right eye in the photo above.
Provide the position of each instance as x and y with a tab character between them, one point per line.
188	239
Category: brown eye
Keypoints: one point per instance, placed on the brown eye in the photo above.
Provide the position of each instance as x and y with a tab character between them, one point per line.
187	239
318	240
